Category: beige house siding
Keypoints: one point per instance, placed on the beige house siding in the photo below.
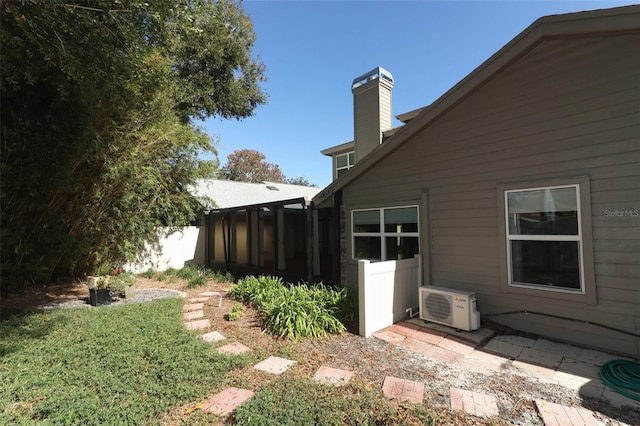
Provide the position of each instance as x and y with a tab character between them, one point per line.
566	108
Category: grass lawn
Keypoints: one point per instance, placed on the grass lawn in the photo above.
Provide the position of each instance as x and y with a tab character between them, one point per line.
112	365
137	364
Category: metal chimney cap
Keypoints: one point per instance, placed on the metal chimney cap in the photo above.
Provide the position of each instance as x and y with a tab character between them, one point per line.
375	73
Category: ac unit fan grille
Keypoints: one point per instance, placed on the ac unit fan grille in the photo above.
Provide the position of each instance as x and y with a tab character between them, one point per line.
438	306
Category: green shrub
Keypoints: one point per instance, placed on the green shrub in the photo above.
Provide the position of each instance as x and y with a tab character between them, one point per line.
223	277
188	272
167	275
236	312
197	281
257	290
296	311
149	273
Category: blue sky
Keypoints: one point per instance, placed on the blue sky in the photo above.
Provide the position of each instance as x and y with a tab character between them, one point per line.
314	49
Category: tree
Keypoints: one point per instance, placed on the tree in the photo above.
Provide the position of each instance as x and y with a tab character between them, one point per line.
98	103
300	180
248	165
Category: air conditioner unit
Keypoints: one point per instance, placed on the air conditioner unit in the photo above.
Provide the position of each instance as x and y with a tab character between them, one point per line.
455	308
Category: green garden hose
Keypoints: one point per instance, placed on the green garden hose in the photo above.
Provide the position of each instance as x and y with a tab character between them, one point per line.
622	376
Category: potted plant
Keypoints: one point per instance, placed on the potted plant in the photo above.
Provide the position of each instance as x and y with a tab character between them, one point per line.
102	289
99	291
124	283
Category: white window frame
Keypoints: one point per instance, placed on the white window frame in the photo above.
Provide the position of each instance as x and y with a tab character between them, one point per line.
382	234
349	164
578	237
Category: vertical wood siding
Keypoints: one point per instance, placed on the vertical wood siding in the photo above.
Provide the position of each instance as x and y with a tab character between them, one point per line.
569	107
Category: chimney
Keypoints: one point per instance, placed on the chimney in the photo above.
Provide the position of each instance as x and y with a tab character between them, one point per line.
371	109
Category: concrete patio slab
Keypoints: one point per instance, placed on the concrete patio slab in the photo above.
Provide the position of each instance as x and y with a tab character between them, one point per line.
198	324
225	402
507	349
543	374
404	390
560	415
476	403
193	307
274	365
481	362
333	376
563	349
525	342
235	348
596	357
579	368
198	299
191	315
535	356
213	336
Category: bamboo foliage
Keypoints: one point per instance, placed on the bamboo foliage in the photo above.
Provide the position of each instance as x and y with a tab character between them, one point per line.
99	141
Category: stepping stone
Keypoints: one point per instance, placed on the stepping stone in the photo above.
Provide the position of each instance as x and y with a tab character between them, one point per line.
225	402
193	307
213	336
235	348
213	293
476	403
404	390
332	376
198	299
274	365
188	316
556	414
197	325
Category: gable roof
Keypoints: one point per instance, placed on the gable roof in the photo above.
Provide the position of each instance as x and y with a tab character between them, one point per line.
229	194
620	20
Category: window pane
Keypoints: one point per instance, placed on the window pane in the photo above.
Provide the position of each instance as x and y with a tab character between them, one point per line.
546	263
402	247
342	172
550	211
366	221
341	161
401	220
352	159
367	248
560	223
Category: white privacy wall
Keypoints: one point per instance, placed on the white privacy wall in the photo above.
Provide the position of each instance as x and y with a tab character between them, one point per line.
386	291
172	249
